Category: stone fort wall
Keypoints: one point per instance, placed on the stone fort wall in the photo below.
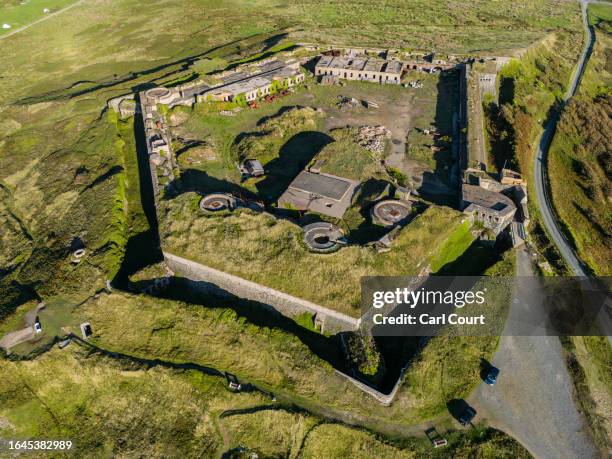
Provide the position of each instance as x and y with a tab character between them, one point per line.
213	281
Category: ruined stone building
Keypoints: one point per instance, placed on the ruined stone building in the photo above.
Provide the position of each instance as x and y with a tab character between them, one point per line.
494	210
255	85
360	68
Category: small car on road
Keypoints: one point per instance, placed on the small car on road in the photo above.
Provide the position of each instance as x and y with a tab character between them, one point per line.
491	376
466	416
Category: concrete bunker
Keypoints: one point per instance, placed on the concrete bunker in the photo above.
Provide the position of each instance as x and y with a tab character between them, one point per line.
323	237
321	193
216	202
390	212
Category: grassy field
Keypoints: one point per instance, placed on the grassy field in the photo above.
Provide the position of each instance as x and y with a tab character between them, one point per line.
110	407
143	38
270	251
18	13
73	187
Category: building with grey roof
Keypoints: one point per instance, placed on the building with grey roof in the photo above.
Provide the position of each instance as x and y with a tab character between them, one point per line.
324	194
361	68
494	210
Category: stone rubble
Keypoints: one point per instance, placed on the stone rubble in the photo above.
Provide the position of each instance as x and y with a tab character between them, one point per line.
373	138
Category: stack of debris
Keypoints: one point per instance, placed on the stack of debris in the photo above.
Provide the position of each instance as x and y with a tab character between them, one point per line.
373	138
414	84
347	103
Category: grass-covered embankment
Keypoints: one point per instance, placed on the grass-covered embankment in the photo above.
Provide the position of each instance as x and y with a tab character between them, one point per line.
110	407
271	358
270	251
531	91
63	178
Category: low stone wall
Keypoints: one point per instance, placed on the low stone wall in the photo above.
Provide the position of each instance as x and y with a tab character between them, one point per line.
215	281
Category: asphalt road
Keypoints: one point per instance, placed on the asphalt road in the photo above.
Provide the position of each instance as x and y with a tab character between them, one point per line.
546	209
549	218
532	400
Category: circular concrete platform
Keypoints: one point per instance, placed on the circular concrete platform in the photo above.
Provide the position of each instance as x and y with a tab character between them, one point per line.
390	212
322	237
158	93
215	202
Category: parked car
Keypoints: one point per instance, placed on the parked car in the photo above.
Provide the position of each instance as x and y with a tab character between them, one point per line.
491	376
466	416
37	327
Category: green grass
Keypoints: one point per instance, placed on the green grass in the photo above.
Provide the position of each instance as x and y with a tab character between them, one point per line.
453	247
344	157
579	183
114	407
588	362
64	178
269	251
154	328
600	15
17	15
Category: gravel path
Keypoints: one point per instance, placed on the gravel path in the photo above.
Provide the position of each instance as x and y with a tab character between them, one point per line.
532	400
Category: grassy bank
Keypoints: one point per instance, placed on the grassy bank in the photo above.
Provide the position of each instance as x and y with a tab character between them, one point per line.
530	92
281	362
111	407
63	178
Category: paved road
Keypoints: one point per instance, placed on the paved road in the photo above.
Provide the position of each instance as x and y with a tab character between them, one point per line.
542	191
540	161
532	400
44	18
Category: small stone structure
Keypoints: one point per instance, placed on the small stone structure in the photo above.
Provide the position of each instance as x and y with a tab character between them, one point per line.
86	331
253	168
323	237
494	210
216	202
321	193
390	212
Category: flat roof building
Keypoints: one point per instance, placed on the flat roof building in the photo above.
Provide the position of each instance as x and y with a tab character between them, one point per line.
360	68
321	193
256	85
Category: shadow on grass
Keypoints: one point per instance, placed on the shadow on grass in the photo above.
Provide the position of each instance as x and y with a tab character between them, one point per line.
328	348
436	185
195	180
474	261
293	157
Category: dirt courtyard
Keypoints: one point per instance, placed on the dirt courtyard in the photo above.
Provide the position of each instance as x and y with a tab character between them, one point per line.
407	112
